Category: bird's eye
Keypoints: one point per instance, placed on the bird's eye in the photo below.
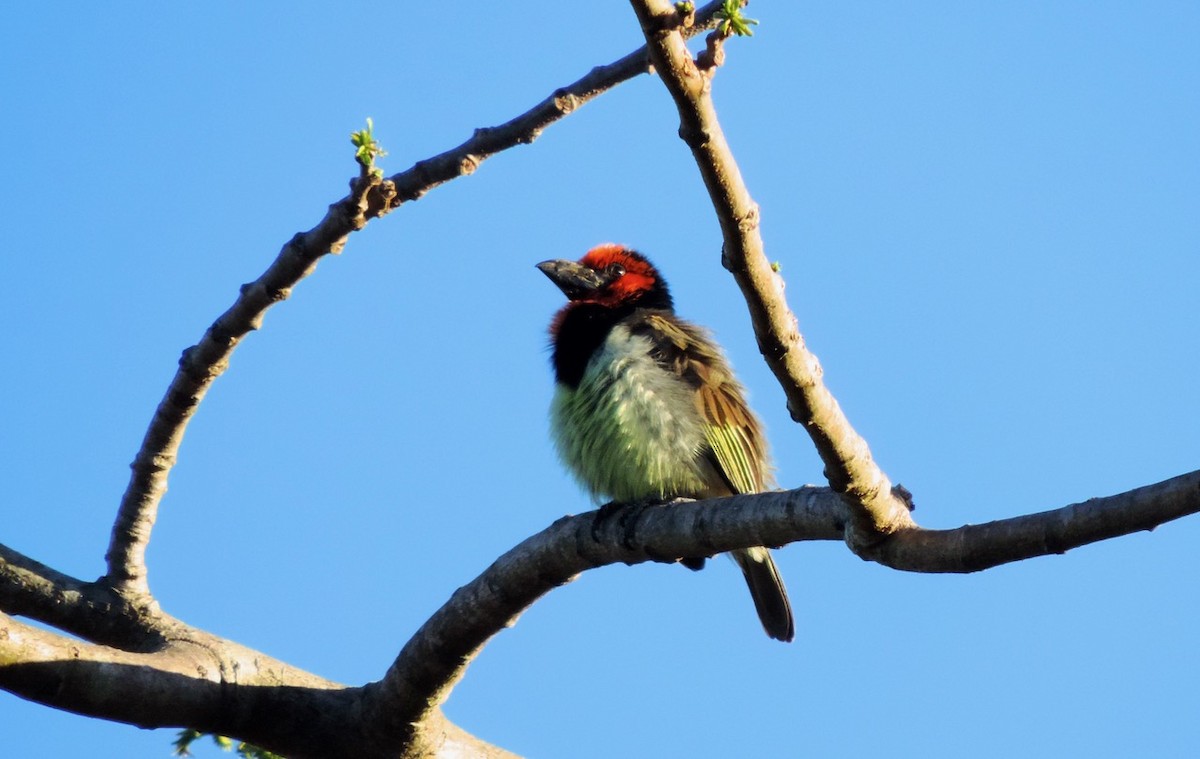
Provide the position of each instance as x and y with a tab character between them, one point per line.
615	271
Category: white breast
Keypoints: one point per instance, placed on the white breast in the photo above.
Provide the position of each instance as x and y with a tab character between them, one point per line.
631	429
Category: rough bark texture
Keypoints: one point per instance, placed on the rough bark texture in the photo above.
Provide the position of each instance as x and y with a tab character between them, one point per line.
199	680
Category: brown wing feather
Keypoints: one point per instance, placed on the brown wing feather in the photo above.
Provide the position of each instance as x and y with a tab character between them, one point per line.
734	435
736	448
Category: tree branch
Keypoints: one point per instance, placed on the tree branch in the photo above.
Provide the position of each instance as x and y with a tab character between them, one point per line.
973	548
201	682
91	611
436	657
198	680
524	129
199	367
851	471
369	197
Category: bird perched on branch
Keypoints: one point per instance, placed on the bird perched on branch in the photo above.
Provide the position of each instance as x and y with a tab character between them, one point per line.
647	408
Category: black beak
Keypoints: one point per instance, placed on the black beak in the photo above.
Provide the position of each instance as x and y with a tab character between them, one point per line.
574	279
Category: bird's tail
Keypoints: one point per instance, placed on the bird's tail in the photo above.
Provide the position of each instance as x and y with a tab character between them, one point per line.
767	590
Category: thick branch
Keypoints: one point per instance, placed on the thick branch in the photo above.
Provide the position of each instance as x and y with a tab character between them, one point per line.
88	610
201	682
204	362
196	679
848	462
437	656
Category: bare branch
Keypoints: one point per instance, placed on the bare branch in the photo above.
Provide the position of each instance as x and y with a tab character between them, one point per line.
524	129
204	682
216	686
200	681
977	547
402	709
436	657
370	197
89	610
848	463
199	366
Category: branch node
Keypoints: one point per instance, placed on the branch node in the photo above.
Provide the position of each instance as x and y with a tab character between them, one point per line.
713	55
468	164
564	101
380	198
750	221
694	136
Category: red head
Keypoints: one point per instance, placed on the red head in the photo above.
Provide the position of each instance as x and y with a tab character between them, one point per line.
607	285
609	276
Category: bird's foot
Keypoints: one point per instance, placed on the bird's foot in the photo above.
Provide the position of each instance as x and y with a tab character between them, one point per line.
626	514
604	515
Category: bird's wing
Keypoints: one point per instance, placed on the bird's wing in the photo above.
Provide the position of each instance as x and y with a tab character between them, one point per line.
735	438
734	435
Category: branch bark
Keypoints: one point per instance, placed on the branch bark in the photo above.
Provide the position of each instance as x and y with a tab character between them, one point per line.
199	367
436	657
369	198
876	512
92	611
195	680
234	691
524	129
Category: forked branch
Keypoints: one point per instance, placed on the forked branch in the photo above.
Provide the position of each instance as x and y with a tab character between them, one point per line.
876	512
370	196
437	656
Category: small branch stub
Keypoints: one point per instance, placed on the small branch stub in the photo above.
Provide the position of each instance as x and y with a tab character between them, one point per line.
731	22
713	55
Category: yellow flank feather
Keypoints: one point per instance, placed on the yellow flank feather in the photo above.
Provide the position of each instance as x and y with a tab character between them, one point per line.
733	452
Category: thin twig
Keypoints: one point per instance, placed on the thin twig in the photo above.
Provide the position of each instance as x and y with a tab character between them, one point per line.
370	197
876	511
199	367
524	129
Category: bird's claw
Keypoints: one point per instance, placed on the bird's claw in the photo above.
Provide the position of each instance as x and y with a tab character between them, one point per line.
626	514
603	516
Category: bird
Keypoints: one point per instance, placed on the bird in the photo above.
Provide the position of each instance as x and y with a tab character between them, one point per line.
646	407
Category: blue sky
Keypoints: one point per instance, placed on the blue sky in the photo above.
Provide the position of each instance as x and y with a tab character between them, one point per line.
988	217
